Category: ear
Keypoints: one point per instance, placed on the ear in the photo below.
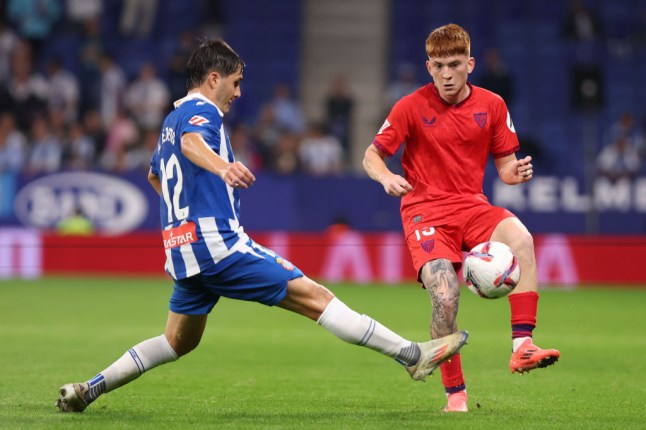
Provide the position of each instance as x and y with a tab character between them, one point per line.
471	64
213	79
428	66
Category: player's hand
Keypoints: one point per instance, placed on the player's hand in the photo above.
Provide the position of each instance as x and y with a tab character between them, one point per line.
396	186
237	175
524	169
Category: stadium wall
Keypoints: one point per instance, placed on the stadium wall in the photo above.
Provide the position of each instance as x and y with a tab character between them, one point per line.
332	256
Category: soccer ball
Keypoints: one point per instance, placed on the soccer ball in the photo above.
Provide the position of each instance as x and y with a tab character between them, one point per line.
491	270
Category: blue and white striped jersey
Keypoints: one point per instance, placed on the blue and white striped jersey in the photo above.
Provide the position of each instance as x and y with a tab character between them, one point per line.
200	213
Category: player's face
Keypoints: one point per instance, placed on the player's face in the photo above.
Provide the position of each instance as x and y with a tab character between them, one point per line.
450	76
227	89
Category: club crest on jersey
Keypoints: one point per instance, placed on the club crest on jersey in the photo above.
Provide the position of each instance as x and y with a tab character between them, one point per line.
428	245
198	120
481	118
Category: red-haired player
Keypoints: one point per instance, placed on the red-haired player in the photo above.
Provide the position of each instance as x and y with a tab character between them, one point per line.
448	129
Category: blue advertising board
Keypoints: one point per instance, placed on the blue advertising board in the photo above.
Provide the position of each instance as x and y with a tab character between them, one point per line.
120	203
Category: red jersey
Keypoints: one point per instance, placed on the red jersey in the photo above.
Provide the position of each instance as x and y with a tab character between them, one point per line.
445	149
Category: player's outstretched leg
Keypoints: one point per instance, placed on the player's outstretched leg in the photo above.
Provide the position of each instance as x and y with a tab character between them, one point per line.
435	352
420	359
140	358
529	357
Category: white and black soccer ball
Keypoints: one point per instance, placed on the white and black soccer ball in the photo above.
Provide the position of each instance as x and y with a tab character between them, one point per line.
491	270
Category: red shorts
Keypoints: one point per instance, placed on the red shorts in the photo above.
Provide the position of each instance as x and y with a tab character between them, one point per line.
427	241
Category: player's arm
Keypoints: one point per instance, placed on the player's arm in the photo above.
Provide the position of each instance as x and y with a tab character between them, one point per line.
512	171
235	174
375	166
154	181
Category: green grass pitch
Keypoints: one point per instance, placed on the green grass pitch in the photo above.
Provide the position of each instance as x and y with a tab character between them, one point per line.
266	368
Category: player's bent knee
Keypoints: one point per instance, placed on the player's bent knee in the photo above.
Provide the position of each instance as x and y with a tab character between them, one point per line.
182	345
523	245
307	297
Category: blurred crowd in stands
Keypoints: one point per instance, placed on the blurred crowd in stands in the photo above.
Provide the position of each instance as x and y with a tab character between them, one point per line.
97	117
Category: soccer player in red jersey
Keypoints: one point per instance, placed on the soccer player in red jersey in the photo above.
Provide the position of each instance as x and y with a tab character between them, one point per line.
448	129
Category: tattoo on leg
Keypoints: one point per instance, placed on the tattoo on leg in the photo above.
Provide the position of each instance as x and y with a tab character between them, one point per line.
441	282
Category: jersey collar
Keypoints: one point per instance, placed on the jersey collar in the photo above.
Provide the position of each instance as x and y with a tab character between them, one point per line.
198	96
436	93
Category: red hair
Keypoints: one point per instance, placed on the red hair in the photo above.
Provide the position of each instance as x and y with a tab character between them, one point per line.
450	39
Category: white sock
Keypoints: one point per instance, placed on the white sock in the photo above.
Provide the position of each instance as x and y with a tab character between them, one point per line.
362	330
517	342
138	359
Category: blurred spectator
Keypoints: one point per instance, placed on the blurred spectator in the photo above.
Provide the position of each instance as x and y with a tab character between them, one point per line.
580	24
495	76
78	12
8	44
244	148
113	86
626	127
76	224
89	64
405	83
34	20
138	155
338	108
177	64
63	91
267	133
27	90
46	149
93	129
287	111
13	144
148	98
137	16
618	160
320	153
213	18
339	226
122	133
285	154
79	151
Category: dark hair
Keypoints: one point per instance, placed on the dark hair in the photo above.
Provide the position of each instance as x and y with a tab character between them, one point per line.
211	56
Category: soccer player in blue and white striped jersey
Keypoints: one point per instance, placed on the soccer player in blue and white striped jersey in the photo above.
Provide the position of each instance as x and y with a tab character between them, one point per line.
209	255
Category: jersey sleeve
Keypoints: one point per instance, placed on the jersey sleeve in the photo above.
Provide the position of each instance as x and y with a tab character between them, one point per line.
154	163
205	121
504	139
395	130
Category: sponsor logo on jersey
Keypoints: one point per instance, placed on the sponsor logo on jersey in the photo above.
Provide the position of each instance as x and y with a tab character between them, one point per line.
286	264
198	120
428	122
178	236
481	118
417	218
114	205
428	245
385	125
510	123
